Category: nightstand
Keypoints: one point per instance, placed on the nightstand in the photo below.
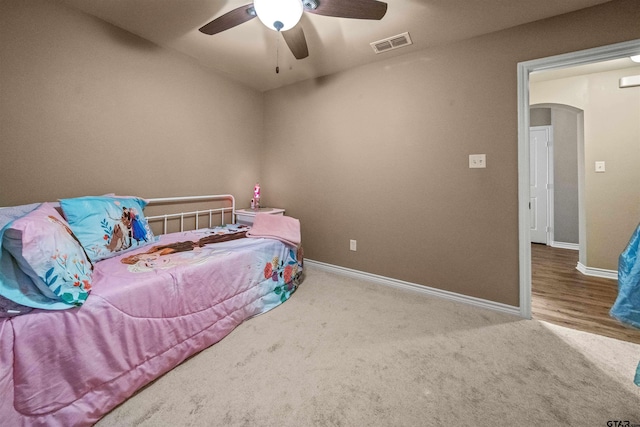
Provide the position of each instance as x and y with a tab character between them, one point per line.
245	216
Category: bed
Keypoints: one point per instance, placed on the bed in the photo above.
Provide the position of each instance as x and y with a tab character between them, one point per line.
146	307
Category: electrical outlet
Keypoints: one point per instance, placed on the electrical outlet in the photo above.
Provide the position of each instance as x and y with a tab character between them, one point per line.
352	245
477	161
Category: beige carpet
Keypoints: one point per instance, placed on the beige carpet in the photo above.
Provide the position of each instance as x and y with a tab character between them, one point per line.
345	352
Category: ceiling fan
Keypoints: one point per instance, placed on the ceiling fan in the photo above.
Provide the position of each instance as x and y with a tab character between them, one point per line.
284	16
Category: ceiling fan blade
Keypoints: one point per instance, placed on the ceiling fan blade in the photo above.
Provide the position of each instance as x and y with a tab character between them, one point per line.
230	19
296	41
355	9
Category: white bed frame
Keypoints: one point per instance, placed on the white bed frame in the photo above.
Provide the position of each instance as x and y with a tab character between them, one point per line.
193	214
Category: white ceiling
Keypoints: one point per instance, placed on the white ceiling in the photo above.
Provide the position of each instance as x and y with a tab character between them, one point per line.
247	53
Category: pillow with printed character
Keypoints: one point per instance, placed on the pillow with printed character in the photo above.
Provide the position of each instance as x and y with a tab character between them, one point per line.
45	248
107	225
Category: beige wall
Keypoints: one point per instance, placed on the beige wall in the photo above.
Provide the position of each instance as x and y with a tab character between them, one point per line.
380	154
566	202
87	108
611	134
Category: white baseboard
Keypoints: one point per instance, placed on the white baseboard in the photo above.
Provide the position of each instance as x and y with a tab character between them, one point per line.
563	245
597	272
387	281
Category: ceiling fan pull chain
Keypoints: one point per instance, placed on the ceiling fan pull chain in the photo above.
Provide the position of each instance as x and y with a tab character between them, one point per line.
277	51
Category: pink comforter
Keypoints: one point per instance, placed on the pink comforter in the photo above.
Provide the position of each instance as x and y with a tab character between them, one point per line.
71	367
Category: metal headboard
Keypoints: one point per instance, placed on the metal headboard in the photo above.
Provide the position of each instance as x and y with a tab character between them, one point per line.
193	214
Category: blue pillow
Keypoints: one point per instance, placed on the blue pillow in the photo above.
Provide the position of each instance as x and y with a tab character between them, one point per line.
46	250
107	225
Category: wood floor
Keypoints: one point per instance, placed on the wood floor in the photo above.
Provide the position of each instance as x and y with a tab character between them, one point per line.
562	295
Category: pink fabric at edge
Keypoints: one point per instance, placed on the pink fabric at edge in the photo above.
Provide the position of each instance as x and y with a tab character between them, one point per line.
283	228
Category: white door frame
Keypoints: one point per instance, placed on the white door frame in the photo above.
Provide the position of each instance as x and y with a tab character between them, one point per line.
599	54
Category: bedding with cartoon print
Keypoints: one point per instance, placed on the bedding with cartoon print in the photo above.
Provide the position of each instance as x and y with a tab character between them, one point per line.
148	310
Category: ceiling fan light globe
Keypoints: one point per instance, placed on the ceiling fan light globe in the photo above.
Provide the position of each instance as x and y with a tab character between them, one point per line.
286	13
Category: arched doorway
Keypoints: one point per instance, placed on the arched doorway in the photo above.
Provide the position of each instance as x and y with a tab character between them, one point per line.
566	169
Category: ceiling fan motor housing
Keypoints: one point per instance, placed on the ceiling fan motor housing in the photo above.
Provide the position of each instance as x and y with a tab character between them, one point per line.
310	4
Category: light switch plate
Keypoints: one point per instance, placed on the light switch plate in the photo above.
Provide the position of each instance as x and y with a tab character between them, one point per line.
600	166
477	161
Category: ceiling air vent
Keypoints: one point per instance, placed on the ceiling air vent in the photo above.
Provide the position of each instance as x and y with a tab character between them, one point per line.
391	43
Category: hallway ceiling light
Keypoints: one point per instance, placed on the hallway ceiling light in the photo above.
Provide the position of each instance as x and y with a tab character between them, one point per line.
635	58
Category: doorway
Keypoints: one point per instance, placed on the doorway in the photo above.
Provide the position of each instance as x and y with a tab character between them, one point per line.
565	177
589	56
